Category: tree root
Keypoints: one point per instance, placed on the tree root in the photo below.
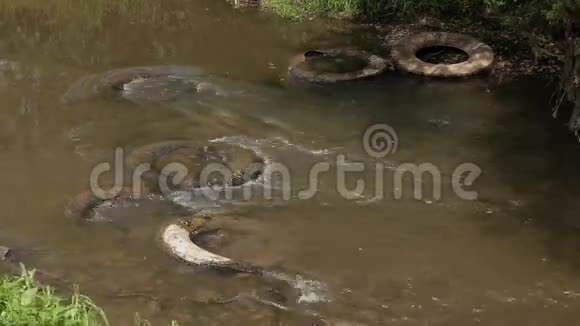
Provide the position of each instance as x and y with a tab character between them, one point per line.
569	87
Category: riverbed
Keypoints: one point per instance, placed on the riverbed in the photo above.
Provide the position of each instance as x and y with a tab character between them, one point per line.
507	257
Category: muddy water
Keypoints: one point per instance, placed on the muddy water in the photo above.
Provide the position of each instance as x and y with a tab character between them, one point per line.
509	257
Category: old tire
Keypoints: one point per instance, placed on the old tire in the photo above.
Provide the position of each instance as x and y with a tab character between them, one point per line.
404	55
112	83
374	65
244	165
82	207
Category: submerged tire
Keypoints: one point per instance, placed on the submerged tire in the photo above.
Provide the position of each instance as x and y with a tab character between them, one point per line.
82	207
191	160
158	90
165	83
404	55
301	67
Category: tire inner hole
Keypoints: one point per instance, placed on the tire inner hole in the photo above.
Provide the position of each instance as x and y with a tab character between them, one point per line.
338	64
442	55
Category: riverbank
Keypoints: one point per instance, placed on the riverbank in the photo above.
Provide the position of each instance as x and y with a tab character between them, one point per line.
27	299
529	40
31	297
519	51
24	301
374	9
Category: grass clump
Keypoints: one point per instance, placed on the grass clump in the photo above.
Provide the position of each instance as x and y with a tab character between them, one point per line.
530	12
372	9
298	9
22	303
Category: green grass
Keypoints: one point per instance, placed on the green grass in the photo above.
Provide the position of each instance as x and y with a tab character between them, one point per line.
529	11
373	8
24	304
297	9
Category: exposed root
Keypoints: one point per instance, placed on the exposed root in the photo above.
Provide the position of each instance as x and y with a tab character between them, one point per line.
569	87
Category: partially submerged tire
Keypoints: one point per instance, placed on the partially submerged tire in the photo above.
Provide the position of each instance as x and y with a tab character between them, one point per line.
404	55
301	67
164	83
158	90
192	160
82	207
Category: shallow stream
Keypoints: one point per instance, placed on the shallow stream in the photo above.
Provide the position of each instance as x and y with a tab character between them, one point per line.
508	258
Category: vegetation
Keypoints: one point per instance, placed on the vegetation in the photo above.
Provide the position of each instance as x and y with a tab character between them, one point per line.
557	19
531	11
23	303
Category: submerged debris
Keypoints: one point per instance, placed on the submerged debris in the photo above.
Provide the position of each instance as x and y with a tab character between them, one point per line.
4	253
